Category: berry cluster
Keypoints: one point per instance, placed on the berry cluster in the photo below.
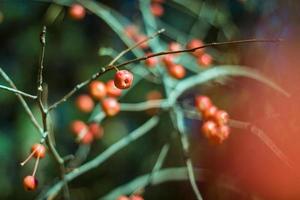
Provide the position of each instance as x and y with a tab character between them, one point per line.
215	122
156	8
37	151
203	58
132	197
106	94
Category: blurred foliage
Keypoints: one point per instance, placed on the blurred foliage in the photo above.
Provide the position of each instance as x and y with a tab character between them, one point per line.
76	49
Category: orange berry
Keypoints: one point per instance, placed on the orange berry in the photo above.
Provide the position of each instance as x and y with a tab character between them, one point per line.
87	138
85	103
123	79
110	106
96	129
210	113
177	71
77	12
221	117
39	150
112	90
77	127
136	197
168	60
205	59
174	46
97	89
196	43
202	103
151	62
224	131
131	31
30	183
209	129
156	9
153	95
139	38
123	198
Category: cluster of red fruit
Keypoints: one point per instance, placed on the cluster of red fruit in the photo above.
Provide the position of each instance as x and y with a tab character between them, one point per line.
215	122
156	7
132	197
38	151
107	94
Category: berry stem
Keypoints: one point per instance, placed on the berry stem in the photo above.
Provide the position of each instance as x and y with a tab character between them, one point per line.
36	166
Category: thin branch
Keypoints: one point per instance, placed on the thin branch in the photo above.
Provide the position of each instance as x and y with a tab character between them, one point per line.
41	66
134	46
17	91
23	102
103	70
113	149
146	105
161	176
179	125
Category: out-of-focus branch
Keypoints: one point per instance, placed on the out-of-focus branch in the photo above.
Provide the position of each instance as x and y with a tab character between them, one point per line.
137	133
161	176
17	92
23	102
102	71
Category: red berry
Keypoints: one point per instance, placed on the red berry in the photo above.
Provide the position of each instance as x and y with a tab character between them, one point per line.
224	131
177	71
85	103
39	150
87	138
112	90
136	197
221	117
151	62
156	9
174	46
203	103
123	79
196	43
157	1
77	12
209	129
210	113
131	31
140	38
123	198
30	183
77	127
110	106
168	60
97	89
205	59
96	129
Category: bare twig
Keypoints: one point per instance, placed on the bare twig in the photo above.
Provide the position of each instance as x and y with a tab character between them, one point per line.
137	133
23	102
17	91
103	70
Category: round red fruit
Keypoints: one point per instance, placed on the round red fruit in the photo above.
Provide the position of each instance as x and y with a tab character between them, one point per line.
77	12
196	43
112	90
209	129
123	79
210	113
177	71
110	106
174	46
78	127
221	117
152	61
205	60
168	60
30	183
39	150
123	198
203	103
87	138
96	129
156	9
85	103
136	197
97	89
